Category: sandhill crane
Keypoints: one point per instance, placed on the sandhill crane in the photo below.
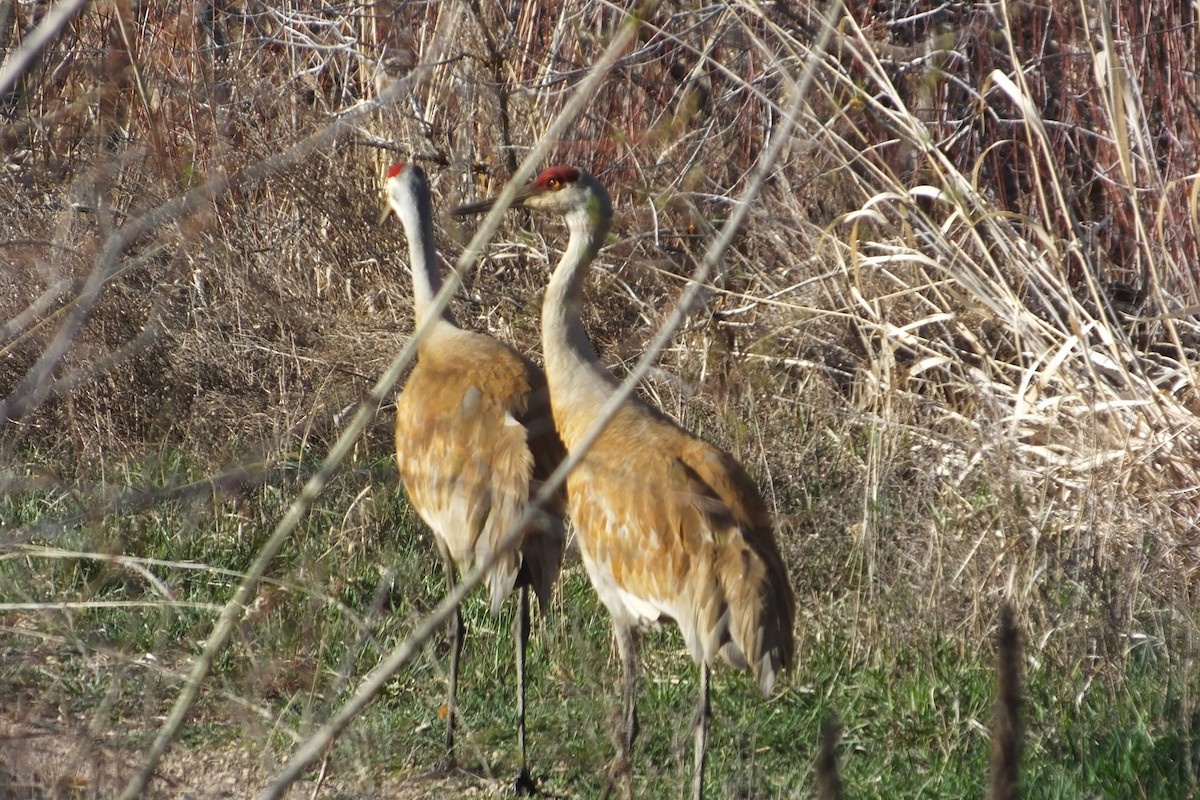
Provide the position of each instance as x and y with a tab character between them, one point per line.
473	440
670	527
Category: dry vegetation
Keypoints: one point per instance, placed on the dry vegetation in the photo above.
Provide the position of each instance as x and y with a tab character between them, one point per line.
955	340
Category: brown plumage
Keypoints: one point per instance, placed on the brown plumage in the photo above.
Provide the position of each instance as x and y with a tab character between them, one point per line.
681	530
469	451
669	527
474	439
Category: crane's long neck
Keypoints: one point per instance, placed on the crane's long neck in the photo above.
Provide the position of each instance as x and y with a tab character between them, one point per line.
578	382
427	278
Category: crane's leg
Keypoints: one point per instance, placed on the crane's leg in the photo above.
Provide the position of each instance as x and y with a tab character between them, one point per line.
456	644
525	782
627	727
700	726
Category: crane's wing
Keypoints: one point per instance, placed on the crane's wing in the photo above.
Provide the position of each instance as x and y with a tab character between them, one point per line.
464	459
674	528
754	587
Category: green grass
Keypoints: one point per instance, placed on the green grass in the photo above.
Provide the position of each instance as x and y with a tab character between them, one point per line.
913	719
914	707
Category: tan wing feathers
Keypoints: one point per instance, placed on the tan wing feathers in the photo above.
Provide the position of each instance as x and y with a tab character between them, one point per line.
465	459
752	569
691	537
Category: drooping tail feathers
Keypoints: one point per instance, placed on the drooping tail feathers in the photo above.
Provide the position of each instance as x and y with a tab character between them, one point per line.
748	611
758	612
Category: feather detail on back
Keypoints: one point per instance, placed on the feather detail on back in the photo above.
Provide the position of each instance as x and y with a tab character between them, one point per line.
677	530
469	462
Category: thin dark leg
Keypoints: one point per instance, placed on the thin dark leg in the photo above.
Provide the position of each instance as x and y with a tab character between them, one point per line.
700	725
525	783
456	644
627	727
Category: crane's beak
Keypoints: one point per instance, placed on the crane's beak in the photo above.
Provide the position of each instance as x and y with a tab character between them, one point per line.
478	207
384	212
484	206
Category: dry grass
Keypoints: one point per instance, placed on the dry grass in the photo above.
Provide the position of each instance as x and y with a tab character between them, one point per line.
956	339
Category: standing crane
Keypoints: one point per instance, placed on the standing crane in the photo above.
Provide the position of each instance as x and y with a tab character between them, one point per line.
670	527
474	440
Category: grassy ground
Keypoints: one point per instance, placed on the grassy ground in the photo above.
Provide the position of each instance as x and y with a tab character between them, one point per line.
955	342
915	708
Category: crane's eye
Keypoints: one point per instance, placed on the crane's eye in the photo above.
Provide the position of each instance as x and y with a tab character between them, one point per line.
555	184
